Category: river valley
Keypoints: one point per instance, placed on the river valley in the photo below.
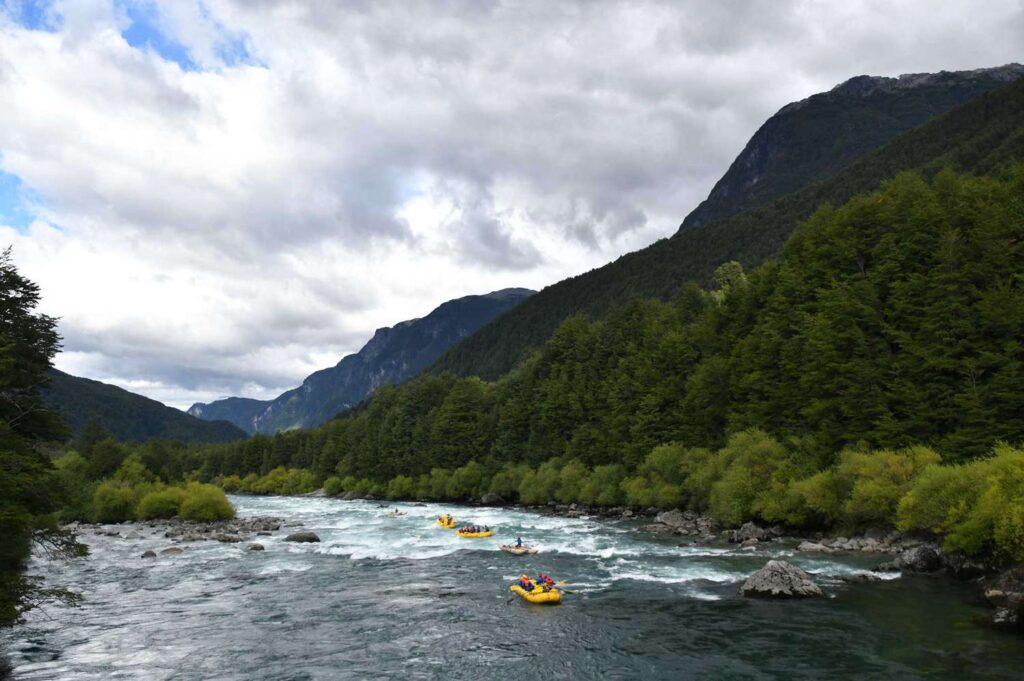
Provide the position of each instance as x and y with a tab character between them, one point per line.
401	598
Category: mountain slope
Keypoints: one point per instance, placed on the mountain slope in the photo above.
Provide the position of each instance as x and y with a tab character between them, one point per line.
815	138
981	135
393	355
126	415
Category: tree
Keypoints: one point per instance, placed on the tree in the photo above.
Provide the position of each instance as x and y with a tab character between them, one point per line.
28	498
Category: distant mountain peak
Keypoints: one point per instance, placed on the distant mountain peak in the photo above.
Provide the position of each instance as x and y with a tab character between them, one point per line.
392	355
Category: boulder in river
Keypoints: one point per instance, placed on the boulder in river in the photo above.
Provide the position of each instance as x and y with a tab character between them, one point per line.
749	531
254	547
1005	592
303	537
917	559
492	499
779	579
149	554
172	551
225	538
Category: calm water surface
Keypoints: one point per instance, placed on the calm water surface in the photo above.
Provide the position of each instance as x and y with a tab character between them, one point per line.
400	598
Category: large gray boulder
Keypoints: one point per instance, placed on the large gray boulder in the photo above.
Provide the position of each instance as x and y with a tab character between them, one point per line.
779	579
303	537
492	499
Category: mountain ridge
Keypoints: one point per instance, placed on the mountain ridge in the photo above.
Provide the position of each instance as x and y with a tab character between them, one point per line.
128	416
749	237
392	355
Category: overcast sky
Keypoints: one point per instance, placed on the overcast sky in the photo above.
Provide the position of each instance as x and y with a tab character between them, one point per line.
220	196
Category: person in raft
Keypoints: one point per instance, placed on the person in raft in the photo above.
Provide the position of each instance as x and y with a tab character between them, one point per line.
519	542
545	581
525	583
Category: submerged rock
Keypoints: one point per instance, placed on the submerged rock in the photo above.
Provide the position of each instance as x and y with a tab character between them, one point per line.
172	551
149	554
779	579
254	547
303	537
861	578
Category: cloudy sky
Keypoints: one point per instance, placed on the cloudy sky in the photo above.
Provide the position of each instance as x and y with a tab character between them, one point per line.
220	196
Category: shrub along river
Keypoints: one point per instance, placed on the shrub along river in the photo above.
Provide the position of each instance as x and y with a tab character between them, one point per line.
401	598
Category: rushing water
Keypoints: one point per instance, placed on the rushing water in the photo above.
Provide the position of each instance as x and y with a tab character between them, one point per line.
401	598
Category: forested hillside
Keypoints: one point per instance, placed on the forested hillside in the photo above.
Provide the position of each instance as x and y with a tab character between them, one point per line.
982	135
125	415
866	378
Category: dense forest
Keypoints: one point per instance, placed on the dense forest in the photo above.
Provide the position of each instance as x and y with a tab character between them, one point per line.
983	136
869	376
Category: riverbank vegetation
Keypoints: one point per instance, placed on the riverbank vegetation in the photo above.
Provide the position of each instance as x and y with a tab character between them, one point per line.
880	353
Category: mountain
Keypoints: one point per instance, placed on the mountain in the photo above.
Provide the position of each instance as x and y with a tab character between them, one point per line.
393	355
126	415
982	134
817	137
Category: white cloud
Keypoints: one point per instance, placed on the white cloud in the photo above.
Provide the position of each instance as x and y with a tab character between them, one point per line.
228	227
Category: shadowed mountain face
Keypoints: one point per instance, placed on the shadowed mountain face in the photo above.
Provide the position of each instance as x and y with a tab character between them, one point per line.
756	213
393	355
127	416
815	138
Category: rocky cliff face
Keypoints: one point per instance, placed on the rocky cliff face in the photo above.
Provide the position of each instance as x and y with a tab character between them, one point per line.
816	137
393	355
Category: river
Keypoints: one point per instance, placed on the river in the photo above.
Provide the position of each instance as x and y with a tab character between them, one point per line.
401	598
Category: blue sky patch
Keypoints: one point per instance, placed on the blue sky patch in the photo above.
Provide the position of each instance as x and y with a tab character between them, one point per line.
33	14
16	202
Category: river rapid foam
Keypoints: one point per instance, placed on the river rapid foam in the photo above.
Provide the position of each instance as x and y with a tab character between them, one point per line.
401	598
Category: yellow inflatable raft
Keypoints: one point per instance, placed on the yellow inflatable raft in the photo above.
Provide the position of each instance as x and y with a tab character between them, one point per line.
447	523
547	595
474	535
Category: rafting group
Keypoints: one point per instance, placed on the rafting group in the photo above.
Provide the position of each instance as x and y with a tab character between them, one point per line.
540	590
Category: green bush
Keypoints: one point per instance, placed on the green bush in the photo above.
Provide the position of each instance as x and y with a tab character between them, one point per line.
539	487
874	482
163	503
285	481
755	467
230	483
206	503
401	487
114	502
996	523
571	479
941	497
77	490
333	486
466	482
507	480
602	486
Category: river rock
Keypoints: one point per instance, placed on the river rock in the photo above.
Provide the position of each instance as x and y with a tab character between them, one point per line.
254	547
303	537
492	499
228	538
779	579
917	559
748	531
813	547
965	568
675	519
172	551
1005	592
747	543
149	554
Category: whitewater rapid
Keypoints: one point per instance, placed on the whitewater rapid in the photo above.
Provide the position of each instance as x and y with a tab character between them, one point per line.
401	598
